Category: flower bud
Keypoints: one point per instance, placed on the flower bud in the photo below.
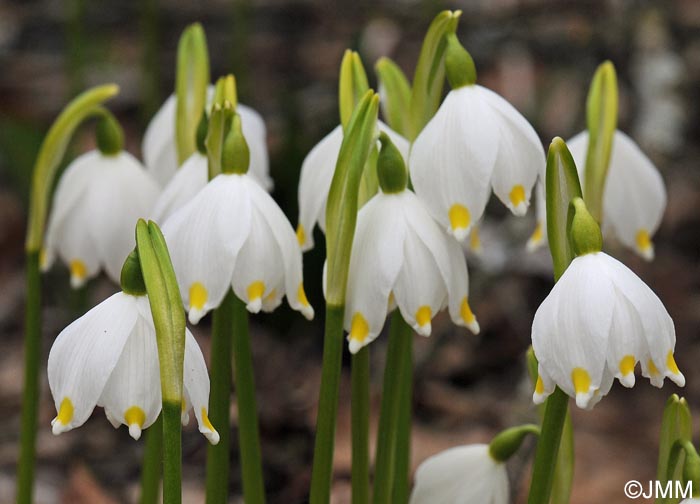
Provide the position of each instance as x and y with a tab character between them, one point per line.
109	135
235	157
584	231
459	64
391	169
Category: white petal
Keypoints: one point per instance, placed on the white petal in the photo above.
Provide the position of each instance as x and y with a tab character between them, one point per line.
452	160
314	183
159	150
625	346
255	134
464	474
375	261
184	185
539	235
520	155
204	238
85	354
288	246
132	394
196	382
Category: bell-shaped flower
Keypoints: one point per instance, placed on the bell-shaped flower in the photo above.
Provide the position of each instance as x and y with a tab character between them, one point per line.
109	358
97	202
475	142
160	153
598	321
401	258
461	475
316	176
232	234
634	197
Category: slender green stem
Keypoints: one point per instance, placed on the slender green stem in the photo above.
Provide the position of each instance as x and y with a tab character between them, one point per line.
79	300
151	470
172	453
218	458
548	447
30	399
385	467
322	470
360	427
402	463
248	435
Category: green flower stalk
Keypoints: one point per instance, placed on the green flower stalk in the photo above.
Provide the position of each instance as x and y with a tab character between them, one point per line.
50	155
676	425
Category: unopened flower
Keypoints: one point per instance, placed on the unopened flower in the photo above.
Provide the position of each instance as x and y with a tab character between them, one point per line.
160	153
634	197
461	475
475	142
109	358
97	202
316	177
598	321
233	234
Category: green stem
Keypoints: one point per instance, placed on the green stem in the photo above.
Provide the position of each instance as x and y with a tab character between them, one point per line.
248	435
548	447
402	463
399	335
79	301
218	458
151	470
322	470
30	399
172	453
360	426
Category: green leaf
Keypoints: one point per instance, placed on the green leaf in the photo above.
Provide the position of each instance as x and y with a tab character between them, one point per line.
601	115
429	78
352	86
191	84
395	91
341	211
562	185
53	148
676	424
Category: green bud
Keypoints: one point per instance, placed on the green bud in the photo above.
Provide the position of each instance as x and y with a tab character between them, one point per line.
236	155
584	231
506	443
202	129
691	467
459	64
131	277
391	168
109	135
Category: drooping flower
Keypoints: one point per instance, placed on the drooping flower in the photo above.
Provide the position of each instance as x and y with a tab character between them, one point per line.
475	142
97	202
109	358
233	234
160	154
461	475
316	177
634	197
401	258
598	321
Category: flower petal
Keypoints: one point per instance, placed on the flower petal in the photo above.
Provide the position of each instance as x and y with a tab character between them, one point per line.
539	235
184	185
255	134
84	355
196	382
159	150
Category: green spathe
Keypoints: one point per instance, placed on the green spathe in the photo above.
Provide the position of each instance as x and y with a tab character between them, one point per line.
235	157
459	64
352	86
391	168
504	445
109	135
131	277
583	229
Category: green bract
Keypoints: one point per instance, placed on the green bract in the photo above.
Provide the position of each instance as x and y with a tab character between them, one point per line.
459	64
676	424
131	278
504	445
396	95
352	86
109	134
235	157
341	210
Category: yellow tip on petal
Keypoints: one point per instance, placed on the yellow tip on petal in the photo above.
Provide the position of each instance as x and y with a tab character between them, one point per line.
271	296
78	273
255	293
468	317
517	199
653	370
627	365
460	220
135	417
391	303
539	386
306	308
301	235
475	240
423	316
64	416
535	238
208	429
645	246
582	380
198	296
671	363
359	330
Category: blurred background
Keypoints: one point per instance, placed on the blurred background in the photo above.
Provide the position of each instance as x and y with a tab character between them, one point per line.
539	54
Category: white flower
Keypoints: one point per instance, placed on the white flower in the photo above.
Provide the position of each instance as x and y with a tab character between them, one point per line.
189	179
600	320
316	176
233	234
91	226
160	152
401	257
109	358
634	198
461	475
476	141
539	235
